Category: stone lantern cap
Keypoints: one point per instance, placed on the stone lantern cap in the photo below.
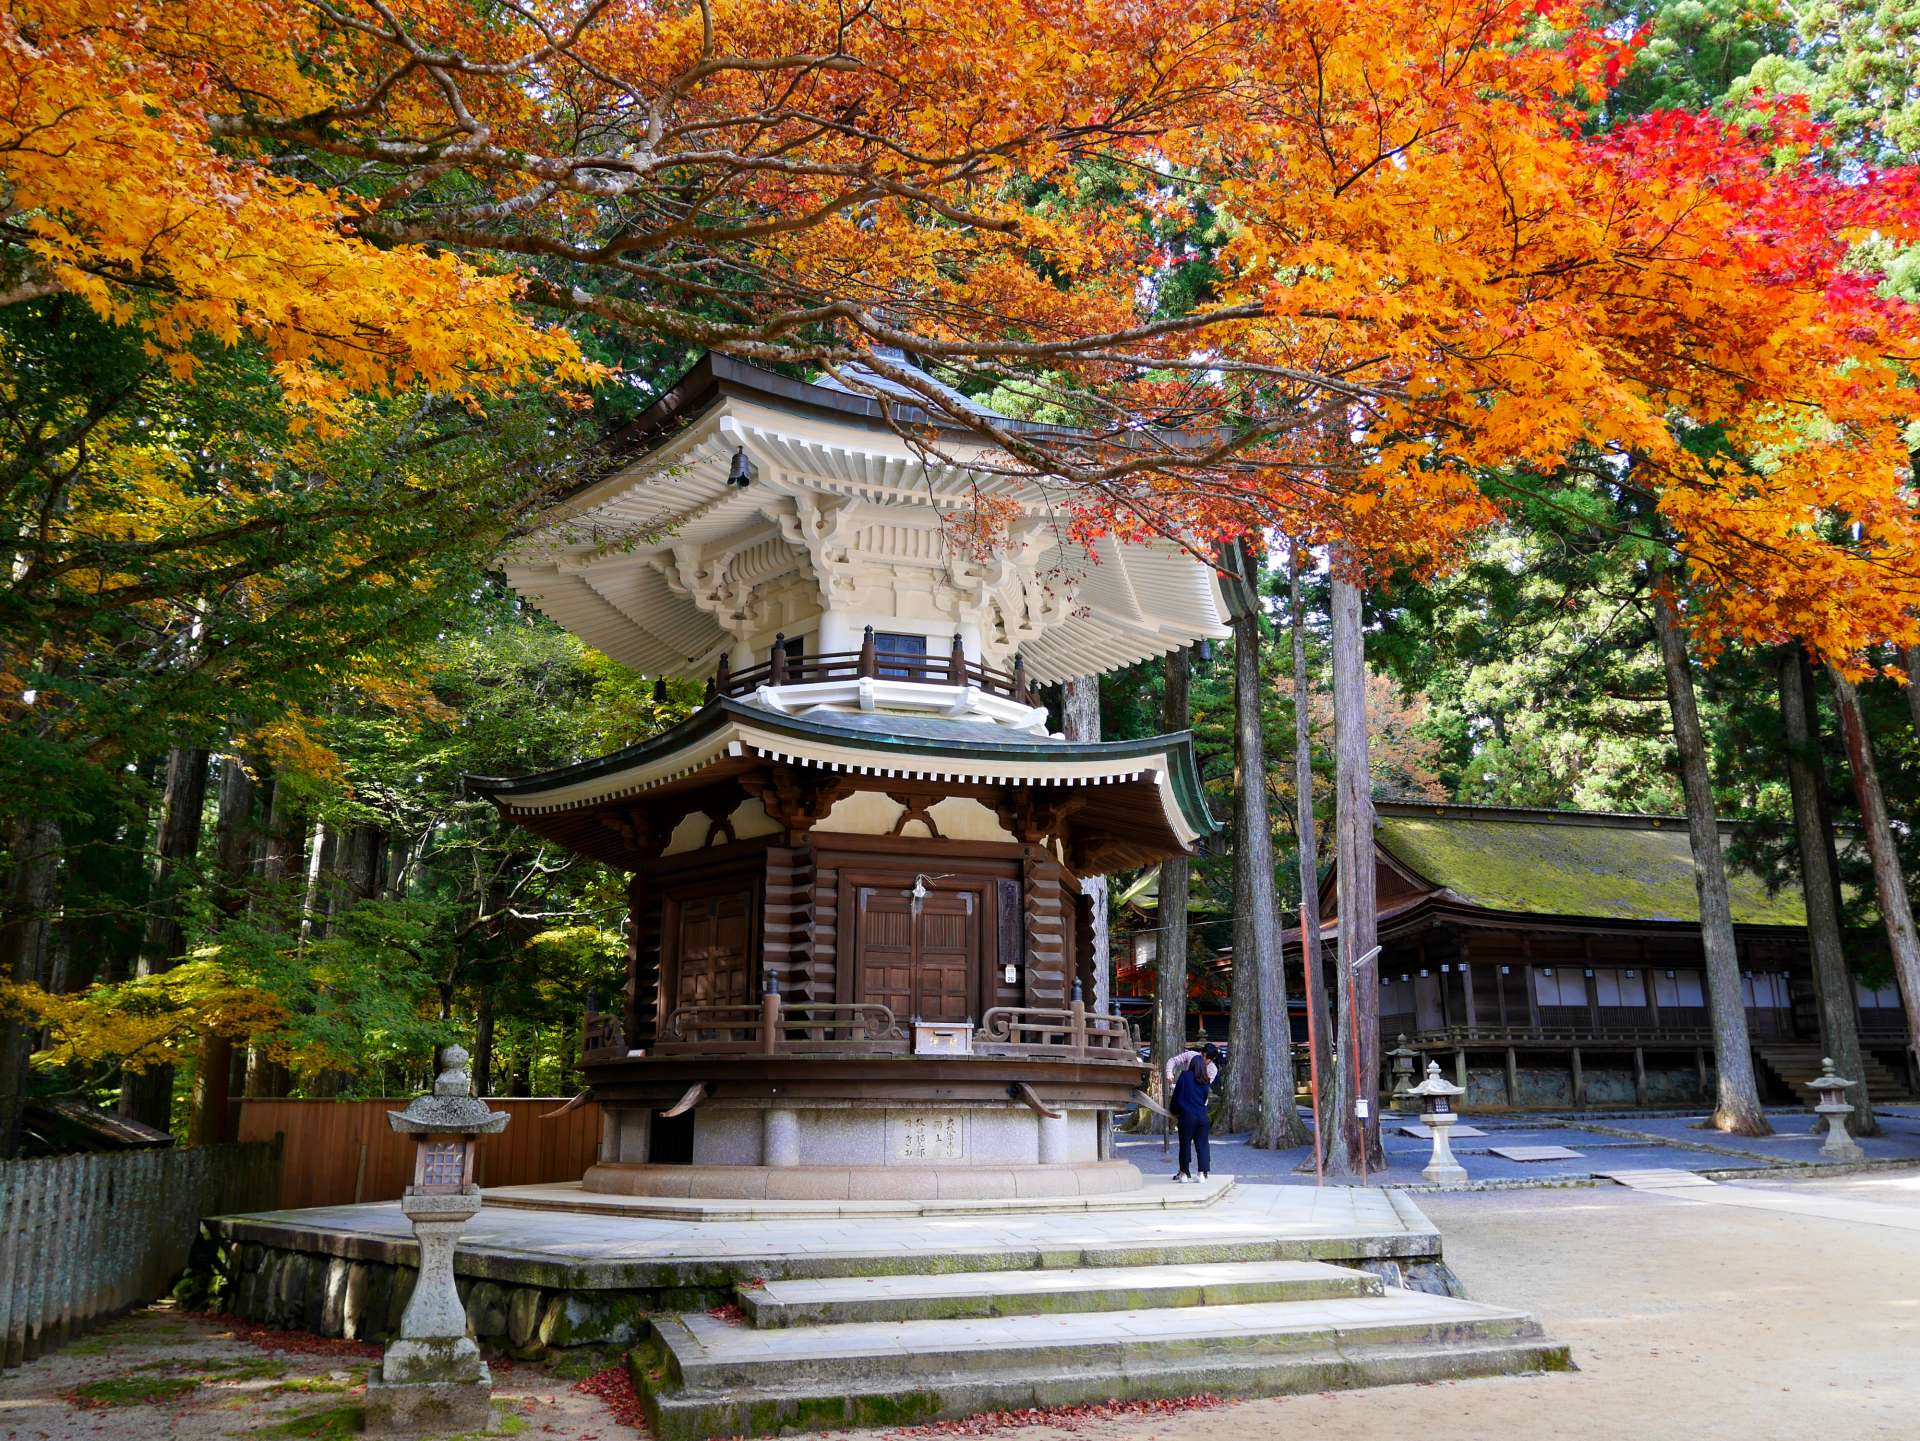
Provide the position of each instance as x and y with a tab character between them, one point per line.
452	1109
1436	1084
1828	1084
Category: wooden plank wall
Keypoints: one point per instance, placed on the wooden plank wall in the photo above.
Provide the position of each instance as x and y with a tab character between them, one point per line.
339	1152
84	1237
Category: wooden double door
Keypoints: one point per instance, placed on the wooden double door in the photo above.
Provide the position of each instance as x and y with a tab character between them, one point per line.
923	960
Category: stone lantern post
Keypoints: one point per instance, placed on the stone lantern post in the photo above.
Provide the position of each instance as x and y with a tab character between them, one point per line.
1403	1056
1831	1089
433	1379
1436	1095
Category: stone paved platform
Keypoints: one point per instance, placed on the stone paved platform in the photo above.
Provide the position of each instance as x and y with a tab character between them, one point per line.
1156	1311
1616	1142
548	1279
593	1250
572	1196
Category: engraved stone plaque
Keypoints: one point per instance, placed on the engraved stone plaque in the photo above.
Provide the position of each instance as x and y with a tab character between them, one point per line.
920	1137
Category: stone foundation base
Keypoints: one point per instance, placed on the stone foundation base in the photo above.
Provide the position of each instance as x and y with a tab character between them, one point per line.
427	1408
863	1183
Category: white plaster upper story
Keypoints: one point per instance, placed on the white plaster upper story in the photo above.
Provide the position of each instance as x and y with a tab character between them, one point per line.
665	566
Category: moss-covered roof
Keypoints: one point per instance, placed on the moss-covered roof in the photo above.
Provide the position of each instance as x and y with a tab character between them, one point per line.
1629	868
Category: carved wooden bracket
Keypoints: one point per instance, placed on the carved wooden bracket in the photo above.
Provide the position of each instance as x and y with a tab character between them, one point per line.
1034	819
793	798
916	810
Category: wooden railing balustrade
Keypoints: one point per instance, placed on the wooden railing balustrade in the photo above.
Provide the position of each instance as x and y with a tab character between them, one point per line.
778	1026
867	663
1557	1035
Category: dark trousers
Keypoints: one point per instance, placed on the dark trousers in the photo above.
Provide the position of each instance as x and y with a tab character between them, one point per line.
1194	1135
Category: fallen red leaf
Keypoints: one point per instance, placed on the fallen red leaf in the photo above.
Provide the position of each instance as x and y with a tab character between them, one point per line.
613	1388
1067	1417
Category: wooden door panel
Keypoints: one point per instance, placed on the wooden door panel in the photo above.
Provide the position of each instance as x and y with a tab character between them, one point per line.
924	965
714	948
949	957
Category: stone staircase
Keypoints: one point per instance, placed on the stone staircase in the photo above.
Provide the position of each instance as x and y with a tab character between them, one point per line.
1797	1062
826	1351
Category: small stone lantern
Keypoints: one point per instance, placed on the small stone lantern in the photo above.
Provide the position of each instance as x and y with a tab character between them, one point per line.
433	1379
1404	1102
1436	1095
1831	1091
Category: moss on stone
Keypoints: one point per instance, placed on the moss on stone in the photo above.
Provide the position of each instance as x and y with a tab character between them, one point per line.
333	1423
135	1390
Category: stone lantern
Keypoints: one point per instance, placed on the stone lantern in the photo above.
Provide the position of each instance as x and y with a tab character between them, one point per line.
1831	1090
433	1379
1404	1102
1436	1095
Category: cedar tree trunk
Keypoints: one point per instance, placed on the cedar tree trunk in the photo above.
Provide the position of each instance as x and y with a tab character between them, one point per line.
1820	884
1356	992
1256	921
212	1119
26	920
1889	884
147	1096
1737	1108
1176	891
1311	978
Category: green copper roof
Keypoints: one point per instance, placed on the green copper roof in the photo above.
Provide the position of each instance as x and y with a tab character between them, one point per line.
1629	868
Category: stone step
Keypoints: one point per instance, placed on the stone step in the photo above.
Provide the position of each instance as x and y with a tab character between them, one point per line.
848	1299
1797	1064
701	1378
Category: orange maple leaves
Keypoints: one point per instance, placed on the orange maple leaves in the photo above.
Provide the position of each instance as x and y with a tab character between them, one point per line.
118	193
1420	268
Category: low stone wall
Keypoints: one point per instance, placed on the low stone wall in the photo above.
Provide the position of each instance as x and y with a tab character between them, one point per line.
361	1299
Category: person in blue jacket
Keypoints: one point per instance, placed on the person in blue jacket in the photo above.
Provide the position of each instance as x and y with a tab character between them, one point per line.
1189	1107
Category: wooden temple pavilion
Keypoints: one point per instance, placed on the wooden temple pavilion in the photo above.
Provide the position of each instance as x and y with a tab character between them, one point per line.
860	958
1553	959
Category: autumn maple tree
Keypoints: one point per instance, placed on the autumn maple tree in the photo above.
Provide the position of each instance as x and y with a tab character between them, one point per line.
1418	244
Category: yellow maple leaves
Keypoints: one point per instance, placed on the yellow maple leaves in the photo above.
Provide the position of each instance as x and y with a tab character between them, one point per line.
120	193
145	1022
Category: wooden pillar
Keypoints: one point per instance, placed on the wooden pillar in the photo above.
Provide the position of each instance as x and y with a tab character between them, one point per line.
1700	1067
1460	1068
1579	1078
1513	1079
1639	1076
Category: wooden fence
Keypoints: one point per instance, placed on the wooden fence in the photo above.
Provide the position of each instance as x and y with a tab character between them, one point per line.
84	1237
339	1152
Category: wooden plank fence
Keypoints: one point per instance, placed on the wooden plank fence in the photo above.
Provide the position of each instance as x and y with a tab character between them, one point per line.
85	1237
340	1152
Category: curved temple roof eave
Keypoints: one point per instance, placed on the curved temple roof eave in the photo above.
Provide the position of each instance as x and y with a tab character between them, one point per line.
728	728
